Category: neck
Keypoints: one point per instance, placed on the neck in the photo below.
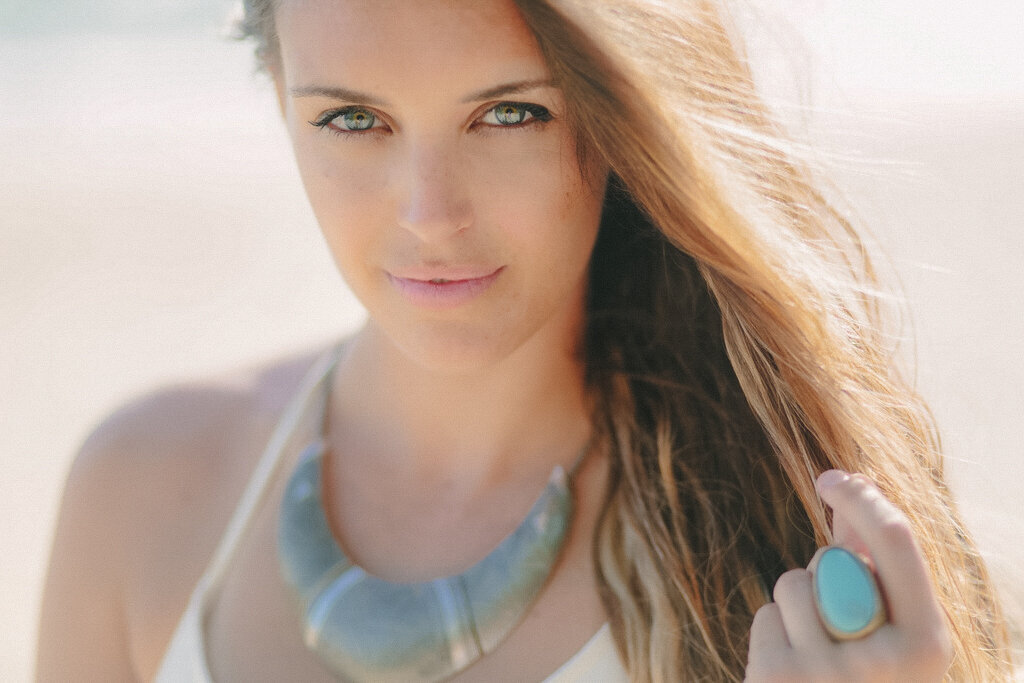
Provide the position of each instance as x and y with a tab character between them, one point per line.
524	413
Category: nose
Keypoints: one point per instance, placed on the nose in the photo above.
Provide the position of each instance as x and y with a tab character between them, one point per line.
433	202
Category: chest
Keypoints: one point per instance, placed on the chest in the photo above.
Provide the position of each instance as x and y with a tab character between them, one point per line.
253	631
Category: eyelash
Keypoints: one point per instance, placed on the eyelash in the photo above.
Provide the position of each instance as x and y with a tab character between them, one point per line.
324	122
538	115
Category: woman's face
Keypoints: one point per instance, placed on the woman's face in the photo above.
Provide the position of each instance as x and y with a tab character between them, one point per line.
443	173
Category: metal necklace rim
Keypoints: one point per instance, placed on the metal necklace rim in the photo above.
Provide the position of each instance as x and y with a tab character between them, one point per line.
434	628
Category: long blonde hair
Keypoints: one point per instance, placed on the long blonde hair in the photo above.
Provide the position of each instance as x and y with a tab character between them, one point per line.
734	347
735	350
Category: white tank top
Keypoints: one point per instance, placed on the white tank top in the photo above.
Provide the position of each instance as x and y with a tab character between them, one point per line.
185	659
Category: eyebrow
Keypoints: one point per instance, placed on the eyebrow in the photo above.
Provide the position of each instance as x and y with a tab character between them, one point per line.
337	94
509	89
348	95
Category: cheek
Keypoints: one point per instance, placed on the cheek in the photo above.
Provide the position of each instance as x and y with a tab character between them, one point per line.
554	230
336	184
541	197
344	194
566	210
348	218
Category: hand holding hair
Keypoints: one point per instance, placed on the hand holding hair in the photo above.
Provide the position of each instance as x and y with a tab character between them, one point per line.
790	642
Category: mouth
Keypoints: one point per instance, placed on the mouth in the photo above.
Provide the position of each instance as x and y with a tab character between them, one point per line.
447	290
441	274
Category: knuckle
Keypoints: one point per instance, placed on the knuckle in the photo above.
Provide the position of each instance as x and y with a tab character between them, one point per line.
884	664
832	668
881	664
790	582
846	665
763	614
895	531
862	480
773	669
857	487
933	651
860	484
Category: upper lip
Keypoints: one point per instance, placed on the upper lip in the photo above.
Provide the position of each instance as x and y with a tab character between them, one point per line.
446	273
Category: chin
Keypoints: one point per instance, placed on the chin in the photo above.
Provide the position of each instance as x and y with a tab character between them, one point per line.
457	351
481	342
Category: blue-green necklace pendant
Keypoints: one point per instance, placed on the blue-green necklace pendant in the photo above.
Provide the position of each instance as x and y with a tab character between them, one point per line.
367	629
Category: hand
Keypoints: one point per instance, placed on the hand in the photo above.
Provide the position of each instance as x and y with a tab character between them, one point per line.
788	641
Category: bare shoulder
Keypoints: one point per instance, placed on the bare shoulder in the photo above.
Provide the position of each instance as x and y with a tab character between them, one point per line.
175	433
144	505
166	451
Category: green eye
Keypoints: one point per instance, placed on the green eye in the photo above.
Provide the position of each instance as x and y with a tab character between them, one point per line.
515	115
509	114
357	119
353	120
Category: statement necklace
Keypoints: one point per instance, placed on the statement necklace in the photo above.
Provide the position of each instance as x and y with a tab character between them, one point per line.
367	629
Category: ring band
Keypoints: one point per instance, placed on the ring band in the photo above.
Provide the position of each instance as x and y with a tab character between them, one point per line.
846	594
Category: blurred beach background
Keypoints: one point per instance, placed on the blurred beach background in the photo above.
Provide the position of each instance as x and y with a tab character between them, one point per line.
153	228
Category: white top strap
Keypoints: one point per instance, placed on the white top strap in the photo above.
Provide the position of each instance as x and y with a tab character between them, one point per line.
309	403
185	658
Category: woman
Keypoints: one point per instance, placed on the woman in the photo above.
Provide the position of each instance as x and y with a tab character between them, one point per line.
583	247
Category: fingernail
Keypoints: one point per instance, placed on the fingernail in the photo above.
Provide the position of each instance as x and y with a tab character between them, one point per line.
830	478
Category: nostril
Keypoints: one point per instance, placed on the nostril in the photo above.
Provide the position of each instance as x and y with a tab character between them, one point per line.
434	217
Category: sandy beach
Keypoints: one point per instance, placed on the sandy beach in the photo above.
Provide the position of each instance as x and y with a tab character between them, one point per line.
153	229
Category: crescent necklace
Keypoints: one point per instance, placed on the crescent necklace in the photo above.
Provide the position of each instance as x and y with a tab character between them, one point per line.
364	628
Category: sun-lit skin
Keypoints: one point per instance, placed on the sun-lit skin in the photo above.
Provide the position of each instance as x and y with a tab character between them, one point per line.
424	163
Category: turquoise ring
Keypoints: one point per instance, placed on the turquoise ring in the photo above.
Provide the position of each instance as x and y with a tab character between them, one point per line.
846	593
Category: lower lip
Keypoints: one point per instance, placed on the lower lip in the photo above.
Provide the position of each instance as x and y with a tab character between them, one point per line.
443	294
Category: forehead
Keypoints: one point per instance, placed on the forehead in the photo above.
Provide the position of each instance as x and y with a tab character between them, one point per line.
378	41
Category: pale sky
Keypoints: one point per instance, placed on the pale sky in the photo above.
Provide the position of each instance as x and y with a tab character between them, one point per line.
947	49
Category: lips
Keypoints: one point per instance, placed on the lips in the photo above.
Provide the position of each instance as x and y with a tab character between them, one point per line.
452	273
445	287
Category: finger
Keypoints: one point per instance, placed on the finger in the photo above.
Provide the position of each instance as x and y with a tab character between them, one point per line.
794	595
843	534
767	633
887	534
